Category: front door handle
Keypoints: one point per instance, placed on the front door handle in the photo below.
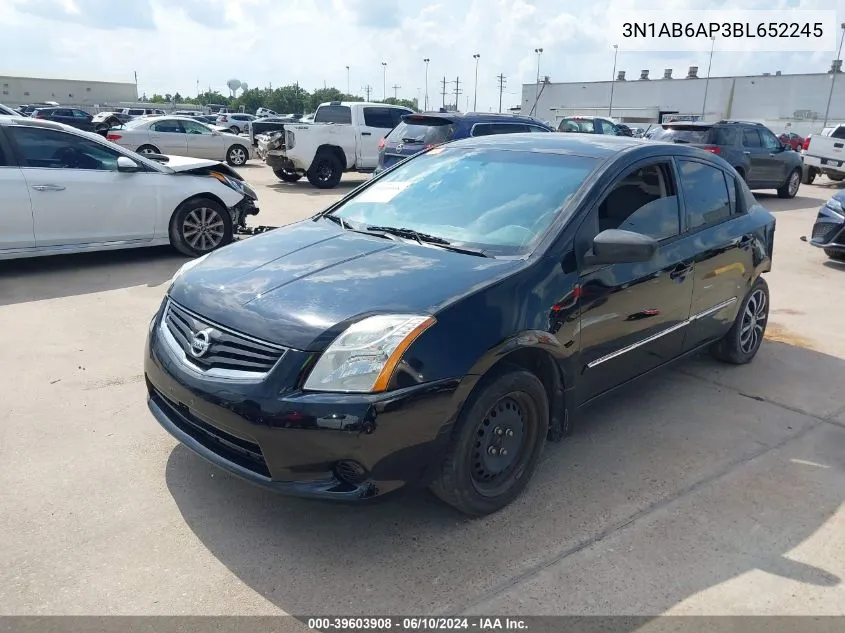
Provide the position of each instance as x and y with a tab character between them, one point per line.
747	153
744	241
680	271
48	187
366	133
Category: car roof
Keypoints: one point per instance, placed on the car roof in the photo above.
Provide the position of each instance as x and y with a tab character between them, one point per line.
591	145
478	117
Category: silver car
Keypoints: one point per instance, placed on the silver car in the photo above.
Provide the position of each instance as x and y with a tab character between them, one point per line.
180	136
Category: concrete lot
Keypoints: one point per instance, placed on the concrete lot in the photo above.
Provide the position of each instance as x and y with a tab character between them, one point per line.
706	489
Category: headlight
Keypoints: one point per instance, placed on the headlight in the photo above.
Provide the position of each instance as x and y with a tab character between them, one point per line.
238	185
834	205
187	266
363	358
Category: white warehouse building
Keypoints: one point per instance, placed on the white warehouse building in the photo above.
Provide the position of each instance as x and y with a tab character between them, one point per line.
84	94
793	103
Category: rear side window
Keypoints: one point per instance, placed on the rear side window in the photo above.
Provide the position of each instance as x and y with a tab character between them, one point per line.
409	132
169	125
724	136
705	194
378	117
839	132
333	114
488	129
751	138
683	134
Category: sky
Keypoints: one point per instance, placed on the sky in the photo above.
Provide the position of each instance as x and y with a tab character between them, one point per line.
174	44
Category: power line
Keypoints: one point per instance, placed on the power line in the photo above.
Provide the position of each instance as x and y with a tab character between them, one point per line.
502	83
367	89
395	91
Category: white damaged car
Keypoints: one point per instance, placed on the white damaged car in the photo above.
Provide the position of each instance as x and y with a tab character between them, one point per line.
68	191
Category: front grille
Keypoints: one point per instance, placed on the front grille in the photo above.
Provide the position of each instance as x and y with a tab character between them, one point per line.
824	232
225	350
233	449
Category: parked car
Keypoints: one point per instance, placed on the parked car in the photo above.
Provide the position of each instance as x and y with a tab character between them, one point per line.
589	125
236	122
417	132
825	154
265	112
208	119
829	228
438	325
69	191
792	140
750	148
4	111
181	136
136	112
343	136
624	130
69	116
29	108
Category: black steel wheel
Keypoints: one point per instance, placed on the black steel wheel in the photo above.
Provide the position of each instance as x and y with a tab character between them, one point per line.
325	171
743	340
497	443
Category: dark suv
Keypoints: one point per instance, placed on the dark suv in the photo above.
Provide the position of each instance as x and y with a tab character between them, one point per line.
751	148
69	116
417	132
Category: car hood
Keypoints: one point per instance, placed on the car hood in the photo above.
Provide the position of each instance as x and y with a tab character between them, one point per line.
302	284
186	163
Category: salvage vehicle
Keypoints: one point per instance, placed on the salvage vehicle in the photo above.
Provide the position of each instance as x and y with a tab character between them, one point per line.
69	191
825	154
182	136
439	323
750	148
344	136
829	228
69	116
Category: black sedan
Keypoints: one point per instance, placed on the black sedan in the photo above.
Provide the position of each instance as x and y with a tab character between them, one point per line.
441	322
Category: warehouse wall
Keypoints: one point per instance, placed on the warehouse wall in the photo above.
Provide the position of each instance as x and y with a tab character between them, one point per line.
16	91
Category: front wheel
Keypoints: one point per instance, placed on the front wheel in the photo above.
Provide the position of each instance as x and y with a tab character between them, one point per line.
497	443
287	176
200	226
148	149
237	155
790	187
839	256
740	344
325	172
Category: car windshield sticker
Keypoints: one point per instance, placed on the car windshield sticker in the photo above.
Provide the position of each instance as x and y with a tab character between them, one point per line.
382	192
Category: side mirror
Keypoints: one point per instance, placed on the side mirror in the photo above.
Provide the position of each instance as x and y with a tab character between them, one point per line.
127	165
615	246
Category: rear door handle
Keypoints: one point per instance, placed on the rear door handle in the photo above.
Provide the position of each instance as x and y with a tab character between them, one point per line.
366	133
48	187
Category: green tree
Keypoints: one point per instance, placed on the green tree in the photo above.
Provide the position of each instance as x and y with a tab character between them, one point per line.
177	98
323	95
156	98
405	103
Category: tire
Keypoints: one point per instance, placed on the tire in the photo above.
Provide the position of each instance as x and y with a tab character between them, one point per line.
235	129
147	149
190	214
325	171
237	155
791	186
836	177
287	176
808	175
838	256
472	479
736	347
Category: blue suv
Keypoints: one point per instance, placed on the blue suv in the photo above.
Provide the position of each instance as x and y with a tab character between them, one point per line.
417	132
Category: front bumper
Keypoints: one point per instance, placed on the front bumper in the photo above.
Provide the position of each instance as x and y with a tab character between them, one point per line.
319	445
829	230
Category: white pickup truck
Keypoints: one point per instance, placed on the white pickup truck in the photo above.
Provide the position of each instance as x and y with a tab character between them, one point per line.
825	154
344	136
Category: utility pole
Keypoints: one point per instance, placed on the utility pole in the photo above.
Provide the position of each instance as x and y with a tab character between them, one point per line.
502	82
384	81
444	91
458	91
348	92
395	91
426	60
477	56
367	90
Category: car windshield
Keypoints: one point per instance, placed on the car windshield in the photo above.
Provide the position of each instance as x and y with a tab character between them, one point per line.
423	133
496	200
136	123
682	134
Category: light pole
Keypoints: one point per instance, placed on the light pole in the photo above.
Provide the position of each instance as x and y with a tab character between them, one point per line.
612	81
833	78
384	81
539	52
476	57
426	60
707	81
348	92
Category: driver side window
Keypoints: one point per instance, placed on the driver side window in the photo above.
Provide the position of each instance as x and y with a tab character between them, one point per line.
43	148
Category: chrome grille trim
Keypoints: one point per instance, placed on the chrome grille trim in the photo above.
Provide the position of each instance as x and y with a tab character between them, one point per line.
232	355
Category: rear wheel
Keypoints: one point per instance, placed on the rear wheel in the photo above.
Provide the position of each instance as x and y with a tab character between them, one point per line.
200	226
326	171
836	177
790	187
837	255
287	176
740	344
237	155
234	129
808	175
497	443
148	149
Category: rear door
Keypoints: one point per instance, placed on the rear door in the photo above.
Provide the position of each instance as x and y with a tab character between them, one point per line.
16	225
202	143
377	122
78	196
169	137
759	169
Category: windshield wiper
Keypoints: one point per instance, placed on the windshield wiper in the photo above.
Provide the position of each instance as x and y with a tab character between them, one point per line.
426	238
345	225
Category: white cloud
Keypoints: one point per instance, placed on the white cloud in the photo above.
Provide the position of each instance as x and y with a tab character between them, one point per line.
179	42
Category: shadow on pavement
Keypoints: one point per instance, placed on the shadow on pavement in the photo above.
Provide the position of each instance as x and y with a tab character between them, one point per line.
776	205
39	278
684	442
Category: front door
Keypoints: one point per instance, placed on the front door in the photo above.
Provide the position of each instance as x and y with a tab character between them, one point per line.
378	121
775	162
633	316
16	230
169	137
759	169
71	181
202	142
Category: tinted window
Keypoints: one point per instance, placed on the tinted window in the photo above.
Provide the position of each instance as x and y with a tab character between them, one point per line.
487	129
839	132
396	115
769	140
79	114
644	202
498	200
536	128
53	149
378	117
62	112
134	112
407	132
168	125
724	136
705	193
585	126
682	134
751	138
333	114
